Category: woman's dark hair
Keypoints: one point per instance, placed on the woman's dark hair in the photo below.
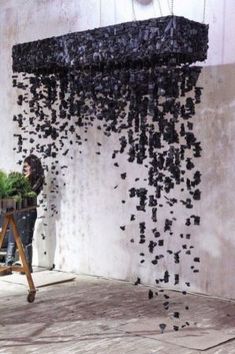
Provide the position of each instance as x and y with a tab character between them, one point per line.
36	177
36	167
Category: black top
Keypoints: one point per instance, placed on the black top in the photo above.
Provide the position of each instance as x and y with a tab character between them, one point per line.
36	183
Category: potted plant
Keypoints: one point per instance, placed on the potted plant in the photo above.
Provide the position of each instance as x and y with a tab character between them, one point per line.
15	191
6	202
18	200
18	186
3	179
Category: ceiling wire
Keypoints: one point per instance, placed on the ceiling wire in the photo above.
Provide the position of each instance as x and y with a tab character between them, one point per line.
154	10
133	10
204	12
100	13
159	5
171	6
115	12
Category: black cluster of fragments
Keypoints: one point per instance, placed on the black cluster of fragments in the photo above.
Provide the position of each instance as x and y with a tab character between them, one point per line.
166	40
134	80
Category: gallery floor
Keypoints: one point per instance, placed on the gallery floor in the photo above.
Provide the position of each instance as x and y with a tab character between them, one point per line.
99	316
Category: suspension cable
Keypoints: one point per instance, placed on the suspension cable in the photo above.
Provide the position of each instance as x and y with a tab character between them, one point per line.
171	6
115	12
204	11
154	10
133	10
100	13
159	5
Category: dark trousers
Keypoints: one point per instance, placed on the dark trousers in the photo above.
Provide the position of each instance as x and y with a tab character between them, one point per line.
25	222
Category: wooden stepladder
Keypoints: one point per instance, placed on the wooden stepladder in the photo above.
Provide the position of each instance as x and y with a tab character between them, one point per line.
9	220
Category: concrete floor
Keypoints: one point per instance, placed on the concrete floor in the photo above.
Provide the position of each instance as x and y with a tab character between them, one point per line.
98	316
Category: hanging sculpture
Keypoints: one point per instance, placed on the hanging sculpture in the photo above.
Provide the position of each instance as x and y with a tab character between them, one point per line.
136	81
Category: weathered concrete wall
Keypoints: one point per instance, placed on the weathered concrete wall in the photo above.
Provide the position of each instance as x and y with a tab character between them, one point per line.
216	127
86	237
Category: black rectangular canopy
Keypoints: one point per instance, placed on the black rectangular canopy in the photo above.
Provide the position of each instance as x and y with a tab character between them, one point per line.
169	40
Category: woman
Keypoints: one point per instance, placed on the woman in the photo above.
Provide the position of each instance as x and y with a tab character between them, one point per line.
25	220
